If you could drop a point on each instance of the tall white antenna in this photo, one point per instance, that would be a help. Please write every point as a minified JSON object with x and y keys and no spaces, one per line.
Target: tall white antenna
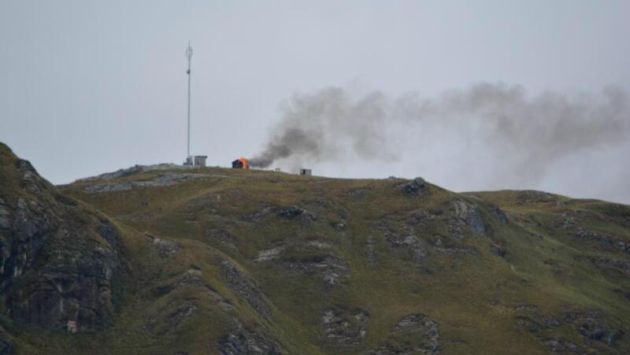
{"x":189,"y":53}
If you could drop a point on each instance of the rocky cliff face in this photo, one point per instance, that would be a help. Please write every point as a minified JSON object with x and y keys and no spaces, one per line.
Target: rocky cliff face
{"x":60,"y":264}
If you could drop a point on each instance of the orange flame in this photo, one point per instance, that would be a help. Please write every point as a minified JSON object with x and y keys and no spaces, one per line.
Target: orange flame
{"x":245,"y":162}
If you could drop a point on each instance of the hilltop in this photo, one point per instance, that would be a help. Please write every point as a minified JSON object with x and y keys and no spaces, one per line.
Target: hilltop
{"x":231,"y":261}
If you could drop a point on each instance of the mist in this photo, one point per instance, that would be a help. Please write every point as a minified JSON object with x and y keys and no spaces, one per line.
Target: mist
{"x":486,"y":136}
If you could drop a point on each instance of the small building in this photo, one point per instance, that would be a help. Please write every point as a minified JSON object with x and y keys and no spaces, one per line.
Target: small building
{"x":307,"y":172}
{"x":189,"y":161}
{"x":240,"y":163}
{"x":200,"y":161}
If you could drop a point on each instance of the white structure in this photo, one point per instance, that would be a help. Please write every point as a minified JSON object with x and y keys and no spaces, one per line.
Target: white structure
{"x":197,"y":160}
{"x":200,"y":161}
{"x":189,"y":53}
{"x":307,"y":172}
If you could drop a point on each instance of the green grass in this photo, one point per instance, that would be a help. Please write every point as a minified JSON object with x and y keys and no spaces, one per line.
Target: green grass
{"x":473,"y":297}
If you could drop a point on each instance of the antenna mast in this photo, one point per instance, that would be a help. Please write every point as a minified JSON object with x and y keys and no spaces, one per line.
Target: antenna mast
{"x":189,"y":53}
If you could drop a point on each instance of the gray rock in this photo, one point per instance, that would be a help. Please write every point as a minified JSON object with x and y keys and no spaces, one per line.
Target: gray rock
{"x":246,"y":342}
{"x":470,"y":215}
{"x":30,"y":178}
{"x":181,"y":313}
{"x":606,"y":242}
{"x":562,"y":346}
{"x":415,"y":187}
{"x":192,"y":278}
{"x":60,"y":264}
{"x":245,"y":288}
{"x":136,"y":169}
{"x":411,"y":244}
{"x":294,"y":212}
{"x":171,"y":317}
{"x":291,"y":212}
{"x":162,"y":180}
{"x":501,"y":216}
{"x":317,"y":244}
{"x":425,"y":327}
{"x":261,"y":214}
{"x":419,"y":218}
{"x":345,"y":327}
{"x":269,"y":254}
{"x":109,"y":232}
{"x":339,"y":226}
{"x":607,"y":263}
{"x":590,"y":325}
{"x":165,"y":248}
{"x":125,"y":186}
{"x":330,"y":268}
{"x":413,"y":334}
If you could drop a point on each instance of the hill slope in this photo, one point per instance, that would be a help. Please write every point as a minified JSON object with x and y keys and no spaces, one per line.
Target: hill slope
{"x":240,"y":262}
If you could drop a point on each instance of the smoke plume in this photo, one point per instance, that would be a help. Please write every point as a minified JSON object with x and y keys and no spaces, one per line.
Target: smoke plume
{"x":493,"y":133}
{"x":317,"y":128}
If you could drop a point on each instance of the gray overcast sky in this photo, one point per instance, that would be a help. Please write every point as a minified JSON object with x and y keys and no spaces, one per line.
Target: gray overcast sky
{"x":93,"y":86}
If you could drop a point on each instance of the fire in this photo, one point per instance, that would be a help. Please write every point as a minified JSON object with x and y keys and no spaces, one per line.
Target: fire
{"x":240,"y":163}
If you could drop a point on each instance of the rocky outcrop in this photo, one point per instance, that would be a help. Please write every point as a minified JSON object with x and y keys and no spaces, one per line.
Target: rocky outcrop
{"x":607,"y":263}
{"x":330,"y":268}
{"x":563,"y":346}
{"x":193,"y":279}
{"x":310,"y":258}
{"x":136,"y":169}
{"x":165,"y":248}
{"x":593,"y":327}
{"x":60,"y":264}
{"x":606,"y":242}
{"x":289,"y":213}
{"x":162,"y":180}
{"x":245,"y":288}
{"x":244,"y":341}
{"x":595,"y":330}
{"x":294,"y":212}
{"x":416,"y":247}
{"x":470,"y":215}
{"x":344,"y":326}
{"x":500,"y":214}
{"x":415,"y":187}
{"x":269,"y":254}
{"x":172,"y":317}
{"x":256,"y":262}
{"x":412,"y":334}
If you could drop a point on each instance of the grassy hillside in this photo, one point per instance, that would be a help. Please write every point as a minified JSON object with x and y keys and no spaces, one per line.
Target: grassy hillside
{"x":235,"y":261}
